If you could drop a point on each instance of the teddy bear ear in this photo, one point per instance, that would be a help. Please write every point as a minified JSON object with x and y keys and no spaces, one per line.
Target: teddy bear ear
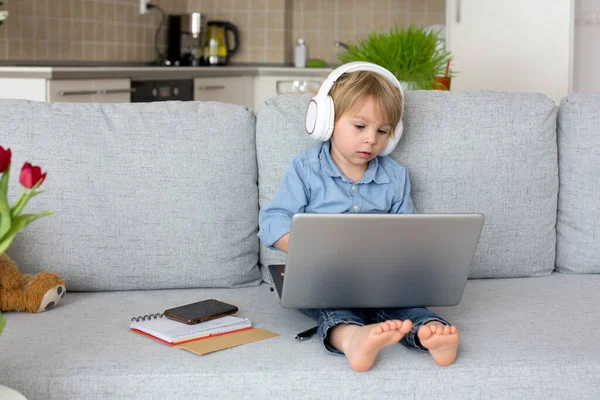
{"x":11,"y":277}
{"x":4,"y":258}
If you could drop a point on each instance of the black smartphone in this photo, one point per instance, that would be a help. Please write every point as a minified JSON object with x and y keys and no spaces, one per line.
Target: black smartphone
{"x":201,"y":311}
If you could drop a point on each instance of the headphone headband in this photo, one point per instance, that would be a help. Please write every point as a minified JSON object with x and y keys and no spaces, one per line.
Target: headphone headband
{"x":354,"y":67}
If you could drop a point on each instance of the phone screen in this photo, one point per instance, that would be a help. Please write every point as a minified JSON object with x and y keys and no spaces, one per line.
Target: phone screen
{"x":200,"y":311}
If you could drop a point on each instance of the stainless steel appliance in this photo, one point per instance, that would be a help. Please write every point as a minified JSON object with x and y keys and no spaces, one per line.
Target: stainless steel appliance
{"x":185,"y":40}
{"x":162,"y":90}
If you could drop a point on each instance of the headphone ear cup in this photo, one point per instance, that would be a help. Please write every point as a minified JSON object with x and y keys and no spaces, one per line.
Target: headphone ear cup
{"x":320,"y":117}
{"x":330,"y":115}
{"x":393,"y":142}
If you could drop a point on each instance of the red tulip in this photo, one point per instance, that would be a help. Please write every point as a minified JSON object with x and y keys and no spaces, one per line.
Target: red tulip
{"x":31,"y":175}
{"x":4,"y":159}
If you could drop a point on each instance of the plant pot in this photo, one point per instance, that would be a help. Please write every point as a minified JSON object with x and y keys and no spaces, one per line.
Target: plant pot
{"x":441,"y":82}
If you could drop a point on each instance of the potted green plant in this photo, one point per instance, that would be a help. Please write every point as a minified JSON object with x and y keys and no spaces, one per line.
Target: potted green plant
{"x":411,"y":54}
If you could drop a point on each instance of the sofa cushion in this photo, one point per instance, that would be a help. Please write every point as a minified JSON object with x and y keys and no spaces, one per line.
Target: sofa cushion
{"x":520,"y":339}
{"x":482,"y":152}
{"x":578,"y":225}
{"x":280,"y":136}
{"x":158,"y":195}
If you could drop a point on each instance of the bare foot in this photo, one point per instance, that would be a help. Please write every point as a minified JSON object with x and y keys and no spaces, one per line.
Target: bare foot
{"x":361,"y":344}
{"x":441,"y":341}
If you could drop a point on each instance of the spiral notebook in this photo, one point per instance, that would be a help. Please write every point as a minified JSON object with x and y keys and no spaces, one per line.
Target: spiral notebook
{"x":172,"y":332}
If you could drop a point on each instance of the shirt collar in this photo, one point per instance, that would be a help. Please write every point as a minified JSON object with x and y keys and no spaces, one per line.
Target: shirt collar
{"x":374,"y":173}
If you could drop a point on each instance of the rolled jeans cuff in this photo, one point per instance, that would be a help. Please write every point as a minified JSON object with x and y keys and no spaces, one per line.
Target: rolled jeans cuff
{"x":323,"y":331}
{"x":411,"y":336}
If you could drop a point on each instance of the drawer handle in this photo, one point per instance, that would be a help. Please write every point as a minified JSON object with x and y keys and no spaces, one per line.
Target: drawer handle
{"x":211,"y":87}
{"x":76,"y":92}
{"x":298,"y":86}
{"x":112,"y":91}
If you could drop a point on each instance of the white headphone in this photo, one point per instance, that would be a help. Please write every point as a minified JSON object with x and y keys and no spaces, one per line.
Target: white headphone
{"x":320,"y":115}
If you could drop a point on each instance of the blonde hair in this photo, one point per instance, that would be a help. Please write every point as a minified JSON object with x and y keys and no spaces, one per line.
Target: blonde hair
{"x":353,"y":88}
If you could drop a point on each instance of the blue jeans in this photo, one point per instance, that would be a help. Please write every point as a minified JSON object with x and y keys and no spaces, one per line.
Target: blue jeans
{"x":327,"y":318}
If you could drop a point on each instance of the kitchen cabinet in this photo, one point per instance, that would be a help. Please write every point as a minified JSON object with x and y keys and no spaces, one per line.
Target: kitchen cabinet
{"x":511,"y":45}
{"x":89,"y":91}
{"x":23,"y":88}
{"x":270,"y":86}
{"x":235,"y":90}
{"x":66,"y":90}
{"x":253,"y":91}
{"x":246,"y":86}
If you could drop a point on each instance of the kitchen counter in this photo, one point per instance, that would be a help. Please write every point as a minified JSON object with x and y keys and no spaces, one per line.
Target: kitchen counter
{"x":149,"y":72}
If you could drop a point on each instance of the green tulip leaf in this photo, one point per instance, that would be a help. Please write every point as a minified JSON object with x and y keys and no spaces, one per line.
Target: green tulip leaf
{"x":18,"y":206}
{"x":18,"y":223}
{"x":5,"y":220}
{"x":22,"y":201}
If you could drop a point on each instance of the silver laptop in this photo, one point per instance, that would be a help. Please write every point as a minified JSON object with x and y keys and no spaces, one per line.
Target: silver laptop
{"x":377,"y":260}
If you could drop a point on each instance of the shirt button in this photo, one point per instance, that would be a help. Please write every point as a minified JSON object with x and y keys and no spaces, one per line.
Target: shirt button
{"x":355,"y":207}
{"x":354,"y":187}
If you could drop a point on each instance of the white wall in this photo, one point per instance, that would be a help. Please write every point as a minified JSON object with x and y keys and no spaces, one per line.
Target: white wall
{"x":586,"y":63}
{"x":512,"y":45}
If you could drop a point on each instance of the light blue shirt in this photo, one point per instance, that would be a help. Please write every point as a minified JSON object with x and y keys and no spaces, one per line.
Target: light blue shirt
{"x":314,"y":184}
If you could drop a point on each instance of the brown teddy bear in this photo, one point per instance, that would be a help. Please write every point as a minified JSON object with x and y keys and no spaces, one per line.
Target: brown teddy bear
{"x":26,"y":292}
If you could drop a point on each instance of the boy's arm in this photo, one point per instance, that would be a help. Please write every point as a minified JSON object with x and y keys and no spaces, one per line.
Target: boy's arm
{"x":282,"y":244}
{"x":276,"y":218}
{"x":404,"y":203}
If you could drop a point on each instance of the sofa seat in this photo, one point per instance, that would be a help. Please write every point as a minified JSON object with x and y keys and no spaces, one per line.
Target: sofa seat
{"x":519,"y":336}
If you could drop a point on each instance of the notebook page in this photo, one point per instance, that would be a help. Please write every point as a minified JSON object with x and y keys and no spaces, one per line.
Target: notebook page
{"x":171,"y":331}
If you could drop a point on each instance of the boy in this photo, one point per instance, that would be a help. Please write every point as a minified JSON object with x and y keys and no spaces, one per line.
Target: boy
{"x":345,"y":174}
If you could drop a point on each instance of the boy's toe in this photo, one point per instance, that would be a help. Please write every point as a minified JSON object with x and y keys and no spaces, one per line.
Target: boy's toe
{"x":425,"y":332}
{"x":405,"y":326}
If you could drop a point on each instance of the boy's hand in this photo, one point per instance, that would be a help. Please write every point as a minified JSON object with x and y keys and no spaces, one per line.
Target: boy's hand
{"x":282,"y":243}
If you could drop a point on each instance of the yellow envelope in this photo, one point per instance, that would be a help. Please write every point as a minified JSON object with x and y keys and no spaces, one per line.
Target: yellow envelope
{"x":210,"y":345}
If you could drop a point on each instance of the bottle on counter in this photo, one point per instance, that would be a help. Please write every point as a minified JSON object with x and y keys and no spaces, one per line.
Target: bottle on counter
{"x":300,"y":54}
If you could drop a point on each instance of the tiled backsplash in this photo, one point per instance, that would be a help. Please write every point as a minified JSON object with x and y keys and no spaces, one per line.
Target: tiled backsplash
{"x":261,"y":24}
{"x":114,"y":30}
{"x":80,"y":30}
{"x":321,"y":23}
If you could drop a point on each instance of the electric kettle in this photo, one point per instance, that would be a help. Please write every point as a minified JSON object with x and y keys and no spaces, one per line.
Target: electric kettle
{"x":217,"y":50}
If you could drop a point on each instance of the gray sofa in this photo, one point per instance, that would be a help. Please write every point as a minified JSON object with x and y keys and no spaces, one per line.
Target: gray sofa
{"x":156,"y":205}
